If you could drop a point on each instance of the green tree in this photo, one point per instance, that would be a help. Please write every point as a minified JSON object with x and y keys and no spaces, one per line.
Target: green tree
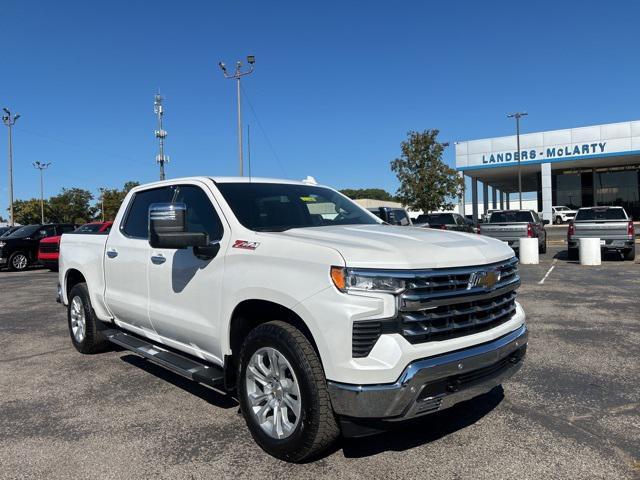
{"x":426,"y":182}
{"x":72,"y":205}
{"x":26,"y":212}
{"x":373,"y":193}
{"x":112,"y":198}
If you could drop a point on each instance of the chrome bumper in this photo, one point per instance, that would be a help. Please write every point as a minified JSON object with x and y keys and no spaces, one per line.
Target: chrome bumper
{"x":436,"y":383}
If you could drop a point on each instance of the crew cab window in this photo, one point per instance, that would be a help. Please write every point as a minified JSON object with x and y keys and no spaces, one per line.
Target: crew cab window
{"x":67,"y":228}
{"x":137,"y":222}
{"x":49,"y":231}
{"x":201,"y":216}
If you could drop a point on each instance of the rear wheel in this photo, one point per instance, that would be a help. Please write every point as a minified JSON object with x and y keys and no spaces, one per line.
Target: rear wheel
{"x":283,"y":393}
{"x":18,"y":261}
{"x":84,"y":327}
{"x":630,"y":254}
{"x":543,"y":248}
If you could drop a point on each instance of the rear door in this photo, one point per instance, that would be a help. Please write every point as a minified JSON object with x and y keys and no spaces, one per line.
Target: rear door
{"x":184,"y":290}
{"x":127,"y":260}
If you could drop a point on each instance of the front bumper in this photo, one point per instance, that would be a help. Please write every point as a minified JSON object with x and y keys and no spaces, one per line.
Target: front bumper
{"x":434,"y":383}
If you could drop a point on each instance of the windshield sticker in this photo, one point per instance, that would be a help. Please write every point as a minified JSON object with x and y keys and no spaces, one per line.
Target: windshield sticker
{"x":308,"y":199}
{"x":245,"y":244}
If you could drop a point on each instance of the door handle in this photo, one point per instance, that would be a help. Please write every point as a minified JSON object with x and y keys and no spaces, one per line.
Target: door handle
{"x":113,"y":253}
{"x":158,"y":259}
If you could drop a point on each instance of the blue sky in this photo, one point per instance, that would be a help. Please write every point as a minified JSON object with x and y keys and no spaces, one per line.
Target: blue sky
{"x":337,"y":84}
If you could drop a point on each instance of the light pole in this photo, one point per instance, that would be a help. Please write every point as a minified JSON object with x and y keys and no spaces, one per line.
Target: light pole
{"x":251,"y":60}
{"x":518,"y":116}
{"x":41,"y":166}
{"x":102,"y":202}
{"x":10,"y":120}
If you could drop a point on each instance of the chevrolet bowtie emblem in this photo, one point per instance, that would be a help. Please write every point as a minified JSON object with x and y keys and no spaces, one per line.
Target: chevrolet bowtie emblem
{"x":486,"y":279}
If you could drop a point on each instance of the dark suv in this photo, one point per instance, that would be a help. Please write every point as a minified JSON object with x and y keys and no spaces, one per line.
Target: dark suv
{"x":20,"y":249}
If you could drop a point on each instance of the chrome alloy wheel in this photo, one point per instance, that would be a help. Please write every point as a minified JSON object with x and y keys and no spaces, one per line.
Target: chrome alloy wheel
{"x":19,"y":262}
{"x":78,"y":322}
{"x":273,"y":393}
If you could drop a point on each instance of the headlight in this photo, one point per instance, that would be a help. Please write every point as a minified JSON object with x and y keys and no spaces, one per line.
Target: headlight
{"x":358,"y":280}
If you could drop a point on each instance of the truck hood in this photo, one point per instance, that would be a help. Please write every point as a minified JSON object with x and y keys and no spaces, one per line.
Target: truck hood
{"x":386,"y":246}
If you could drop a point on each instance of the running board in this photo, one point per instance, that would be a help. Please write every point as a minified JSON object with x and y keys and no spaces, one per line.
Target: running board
{"x":182,"y":365}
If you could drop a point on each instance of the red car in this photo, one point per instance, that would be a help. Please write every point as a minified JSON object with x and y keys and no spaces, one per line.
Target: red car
{"x":49,"y":248}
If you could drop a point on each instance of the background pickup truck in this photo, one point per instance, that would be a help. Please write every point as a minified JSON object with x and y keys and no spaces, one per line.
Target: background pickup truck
{"x":611,"y":225}
{"x":510,"y":226}
{"x":316,"y":315}
{"x":49,"y":247}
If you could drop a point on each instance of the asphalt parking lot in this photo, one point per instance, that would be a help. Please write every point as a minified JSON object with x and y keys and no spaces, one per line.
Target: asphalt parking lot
{"x":573,"y":411}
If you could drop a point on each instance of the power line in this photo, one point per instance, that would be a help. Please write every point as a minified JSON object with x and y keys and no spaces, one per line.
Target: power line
{"x":264,"y":133}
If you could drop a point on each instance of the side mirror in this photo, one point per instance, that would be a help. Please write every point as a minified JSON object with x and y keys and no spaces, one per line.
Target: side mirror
{"x":545,"y":222}
{"x":167,"y":227}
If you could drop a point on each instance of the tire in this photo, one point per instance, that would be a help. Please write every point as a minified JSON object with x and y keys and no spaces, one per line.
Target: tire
{"x":315,"y":428}
{"x":543,"y":248}
{"x":18,"y":262}
{"x":630,"y":254}
{"x":558,"y":221}
{"x":84,"y":327}
{"x":573,"y":254}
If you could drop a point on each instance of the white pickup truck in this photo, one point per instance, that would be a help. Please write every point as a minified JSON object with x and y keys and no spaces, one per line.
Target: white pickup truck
{"x":319,"y":317}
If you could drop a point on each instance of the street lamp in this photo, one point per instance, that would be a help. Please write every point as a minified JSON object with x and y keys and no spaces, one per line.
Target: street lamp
{"x":251,"y":60}
{"x":518,"y":116}
{"x":10,"y":120}
{"x":41,"y":166}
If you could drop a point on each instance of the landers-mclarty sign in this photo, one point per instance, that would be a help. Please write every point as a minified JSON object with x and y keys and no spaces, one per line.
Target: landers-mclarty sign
{"x":546,"y":153}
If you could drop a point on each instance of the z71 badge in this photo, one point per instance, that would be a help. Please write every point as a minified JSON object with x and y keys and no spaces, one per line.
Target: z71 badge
{"x":245,"y":244}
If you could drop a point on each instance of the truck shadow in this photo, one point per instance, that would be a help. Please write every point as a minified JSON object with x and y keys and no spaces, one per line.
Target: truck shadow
{"x":209,"y":395}
{"x":413,"y":433}
{"x":606,"y":257}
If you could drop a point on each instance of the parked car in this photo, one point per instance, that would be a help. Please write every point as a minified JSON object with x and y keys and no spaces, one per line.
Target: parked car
{"x":6,"y":231}
{"x":448,"y":221}
{"x":319,"y":324}
{"x":512,"y":225}
{"x":562,"y":214}
{"x":19,"y":249}
{"x":49,"y":247}
{"x":392,"y":215}
{"x":611,"y":225}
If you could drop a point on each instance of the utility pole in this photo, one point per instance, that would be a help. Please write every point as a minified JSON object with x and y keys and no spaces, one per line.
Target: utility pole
{"x":160,"y":134}
{"x":42,"y":167}
{"x":518,"y":116}
{"x":251,"y":60}
{"x":10,"y":120}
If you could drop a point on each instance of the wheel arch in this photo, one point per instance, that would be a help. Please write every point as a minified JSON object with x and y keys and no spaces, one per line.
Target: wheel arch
{"x":246,"y":316}
{"x":72,"y":278}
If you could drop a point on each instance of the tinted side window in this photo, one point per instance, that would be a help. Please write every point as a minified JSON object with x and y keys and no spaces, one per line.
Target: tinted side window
{"x":201,"y":216}
{"x":49,"y":231}
{"x":137,"y":221}
{"x":67,"y":228}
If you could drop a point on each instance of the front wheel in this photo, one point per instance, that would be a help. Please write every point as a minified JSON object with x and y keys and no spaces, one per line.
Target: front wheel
{"x":18,"y":261}
{"x":558,"y":221}
{"x":283,"y":393}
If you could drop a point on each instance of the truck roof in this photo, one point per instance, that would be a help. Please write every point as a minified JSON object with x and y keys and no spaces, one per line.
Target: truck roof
{"x":232,"y":180}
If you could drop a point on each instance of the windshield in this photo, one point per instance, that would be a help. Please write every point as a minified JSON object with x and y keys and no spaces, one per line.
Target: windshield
{"x":275,"y":207}
{"x":25,"y":231}
{"x":442,"y":219}
{"x":562,"y":209}
{"x":89,"y":228}
{"x":601,"y":214}
{"x":511,"y":217}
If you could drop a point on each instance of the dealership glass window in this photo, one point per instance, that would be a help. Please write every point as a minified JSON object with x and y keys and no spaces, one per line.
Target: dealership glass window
{"x":619,"y":188}
{"x":568,"y":190}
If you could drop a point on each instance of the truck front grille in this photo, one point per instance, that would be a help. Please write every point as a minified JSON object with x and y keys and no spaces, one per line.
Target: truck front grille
{"x":444,"y":304}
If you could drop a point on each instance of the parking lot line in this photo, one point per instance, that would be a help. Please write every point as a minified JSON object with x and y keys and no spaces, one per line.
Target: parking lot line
{"x":553,"y":265}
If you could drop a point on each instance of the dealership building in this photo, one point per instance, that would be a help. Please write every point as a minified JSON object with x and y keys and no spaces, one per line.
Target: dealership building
{"x":576,"y":167}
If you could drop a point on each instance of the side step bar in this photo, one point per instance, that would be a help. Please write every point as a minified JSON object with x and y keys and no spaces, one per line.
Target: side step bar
{"x":187,"y":367}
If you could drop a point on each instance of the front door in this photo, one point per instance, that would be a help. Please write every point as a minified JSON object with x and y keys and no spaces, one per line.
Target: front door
{"x":127,"y":260}
{"x":184,"y":290}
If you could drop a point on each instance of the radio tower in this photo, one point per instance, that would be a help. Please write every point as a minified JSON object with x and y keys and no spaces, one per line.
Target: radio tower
{"x":160,"y":134}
